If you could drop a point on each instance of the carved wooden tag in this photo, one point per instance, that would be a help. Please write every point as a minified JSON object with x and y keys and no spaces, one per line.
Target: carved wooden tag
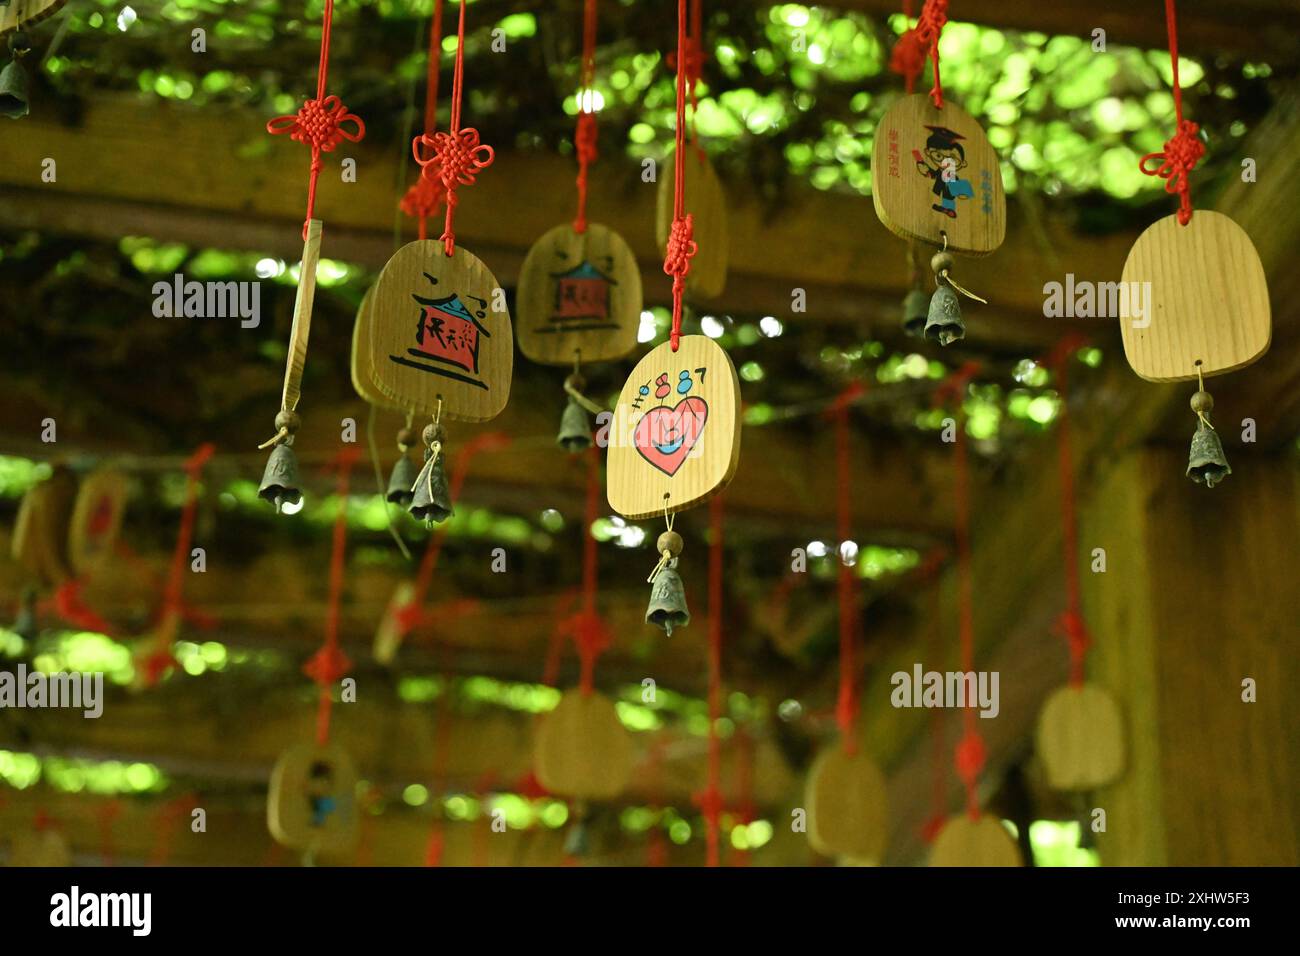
{"x":1080,"y":738}
{"x":967,"y":842}
{"x":582,"y":749}
{"x":362,"y":379}
{"x":40,"y":538}
{"x":707,"y":203}
{"x":96,"y":519}
{"x":26,"y":12}
{"x":848,"y":806}
{"x":439,"y":329}
{"x":674,"y":439}
{"x":579,"y":296}
{"x":933,"y":172}
{"x":312,"y":800}
{"x":1202,"y":295}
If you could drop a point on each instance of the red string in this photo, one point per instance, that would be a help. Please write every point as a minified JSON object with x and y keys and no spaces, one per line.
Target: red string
{"x":319,"y":122}
{"x":69,"y":604}
{"x":709,"y":800}
{"x":590,"y":634}
{"x":681,"y":244}
{"x":427,"y":192}
{"x":1184,"y":151}
{"x":329,"y":664}
{"x":584,"y":139}
{"x":908,"y":55}
{"x":846,"y":705}
{"x":909,"y":52}
{"x":1071,"y":623}
{"x":457,"y":156}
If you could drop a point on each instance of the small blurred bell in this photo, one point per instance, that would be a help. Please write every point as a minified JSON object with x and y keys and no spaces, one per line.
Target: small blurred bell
{"x":577,"y":839}
{"x":1206,"y":464}
{"x":575,"y":428}
{"x":401,"y":482}
{"x":430,"y":499}
{"x":280,"y":479}
{"x":668,"y":600}
{"x":915,"y":309}
{"x":943,"y":322}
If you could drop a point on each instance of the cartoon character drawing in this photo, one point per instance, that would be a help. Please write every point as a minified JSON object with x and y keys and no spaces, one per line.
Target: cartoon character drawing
{"x":581,"y":300}
{"x":944,"y":154}
{"x":320,"y":783}
{"x":447,"y":333}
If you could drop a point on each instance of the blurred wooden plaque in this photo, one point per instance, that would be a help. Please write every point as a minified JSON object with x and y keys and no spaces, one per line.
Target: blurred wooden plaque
{"x":674,"y":439}
{"x":312,"y":801}
{"x":579,"y":296}
{"x":1080,"y":738}
{"x":981,"y":842}
{"x":434,"y":334}
{"x":848,"y":806}
{"x":707,"y":203}
{"x":582,"y":749}
{"x":933,"y":172}
{"x":96,"y":519}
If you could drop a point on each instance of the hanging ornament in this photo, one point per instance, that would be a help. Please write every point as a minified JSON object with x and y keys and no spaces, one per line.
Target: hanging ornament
{"x":311,"y":805}
{"x":1080,"y":736}
{"x":320,"y":123}
{"x":1208,"y":311}
{"x":579,"y":293}
{"x":979,"y":840}
{"x":936,"y":179}
{"x":582,"y":749}
{"x":40,"y":536}
{"x":13,"y":78}
{"x":96,"y":519}
{"x":699,"y":183}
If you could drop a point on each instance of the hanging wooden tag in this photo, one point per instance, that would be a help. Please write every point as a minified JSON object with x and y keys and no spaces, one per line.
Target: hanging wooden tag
{"x":439,"y":329}
{"x":933,"y":172}
{"x":582,"y":749}
{"x":981,"y":842}
{"x":40,"y":538}
{"x":312,"y":800}
{"x":707,"y":203}
{"x":579,"y":296}
{"x":1080,"y":738}
{"x":96,"y":519}
{"x":674,"y":439}
{"x":1202,"y":295}
{"x":848,"y":806}
{"x":388,"y":637}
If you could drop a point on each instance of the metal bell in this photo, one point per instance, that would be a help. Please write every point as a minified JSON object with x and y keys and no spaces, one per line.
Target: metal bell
{"x":430,"y":499}
{"x":943,"y":322}
{"x":668,"y":600}
{"x":915,"y":310}
{"x":13,"y":90}
{"x":1206,"y":464}
{"x":575,"y":428}
{"x":401,"y":482}
{"x":280,"y":479}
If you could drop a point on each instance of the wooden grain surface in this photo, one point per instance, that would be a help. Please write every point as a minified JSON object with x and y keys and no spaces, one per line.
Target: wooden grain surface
{"x":579,"y":296}
{"x":674,"y":441}
{"x":848,"y":805}
{"x":981,"y":842}
{"x":706,"y":201}
{"x":582,"y":749}
{"x":1208,"y":299}
{"x":435,"y":336}
{"x":907,"y":166}
{"x":1080,"y":738}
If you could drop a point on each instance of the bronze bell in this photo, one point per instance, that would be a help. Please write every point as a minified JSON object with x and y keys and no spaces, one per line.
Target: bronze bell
{"x":430,"y":499}
{"x":668,"y":600}
{"x":401,"y":482}
{"x":915,"y":310}
{"x":943,"y":322}
{"x":13,"y":79}
{"x":575,"y":428}
{"x":280,"y":479}
{"x":1207,"y":465}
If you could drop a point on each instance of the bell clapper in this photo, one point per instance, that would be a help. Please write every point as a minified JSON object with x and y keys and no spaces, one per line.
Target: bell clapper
{"x":1206,"y":463}
{"x":280,"y":479}
{"x":667,"y":595}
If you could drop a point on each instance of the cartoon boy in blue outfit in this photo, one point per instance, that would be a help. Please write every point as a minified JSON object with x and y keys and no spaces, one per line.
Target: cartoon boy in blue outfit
{"x":943,"y":151}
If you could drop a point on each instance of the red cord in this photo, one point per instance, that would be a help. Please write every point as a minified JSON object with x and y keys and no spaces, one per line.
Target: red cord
{"x":681,"y":244}
{"x":584,"y":137}
{"x":846,"y":705}
{"x":427,"y":193}
{"x":908,"y":56}
{"x":590,"y":634}
{"x":970,"y":754}
{"x":319,"y":122}
{"x":1185,"y":149}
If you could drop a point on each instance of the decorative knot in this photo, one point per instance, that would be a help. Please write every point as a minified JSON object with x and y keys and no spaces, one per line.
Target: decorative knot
{"x":584,"y":138}
{"x":908,"y":56}
{"x":695,"y":56}
{"x":320,"y":124}
{"x":1180,"y":156}
{"x":590,"y":634}
{"x":424,"y":197}
{"x":970,"y":758}
{"x":681,"y":247}
{"x":710,"y":803}
{"x":934,"y":15}
{"x":456,"y":159}
{"x":327,"y":665}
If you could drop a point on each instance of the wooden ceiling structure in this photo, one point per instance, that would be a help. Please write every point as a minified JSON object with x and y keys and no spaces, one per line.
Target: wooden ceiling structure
{"x":266,"y":583}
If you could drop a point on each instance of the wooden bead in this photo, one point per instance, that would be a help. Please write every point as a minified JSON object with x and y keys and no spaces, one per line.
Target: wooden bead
{"x":405,"y":439}
{"x":671,"y":542}
{"x":1202,"y":403}
{"x":432,"y":433}
{"x":288,"y":420}
{"x":941,"y":262}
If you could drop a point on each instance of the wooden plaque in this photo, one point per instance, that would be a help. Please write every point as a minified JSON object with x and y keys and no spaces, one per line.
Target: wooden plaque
{"x":312,"y":801}
{"x":363,"y":381}
{"x":982,"y":842}
{"x":25,"y":12}
{"x":434,"y":334}
{"x":96,"y":519}
{"x":579,"y":296}
{"x":40,"y":537}
{"x":707,"y":203}
{"x":674,"y":439}
{"x":933,"y":172}
{"x":388,"y":636}
{"x":1080,"y":738}
{"x":582,"y":749}
{"x":848,"y":806}
{"x":1208,"y":300}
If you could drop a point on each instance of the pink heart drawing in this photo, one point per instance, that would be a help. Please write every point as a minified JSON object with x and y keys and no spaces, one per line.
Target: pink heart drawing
{"x":665,"y":436}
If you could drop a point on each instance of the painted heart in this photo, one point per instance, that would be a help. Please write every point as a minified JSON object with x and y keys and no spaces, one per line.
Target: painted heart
{"x":665,"y":436}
